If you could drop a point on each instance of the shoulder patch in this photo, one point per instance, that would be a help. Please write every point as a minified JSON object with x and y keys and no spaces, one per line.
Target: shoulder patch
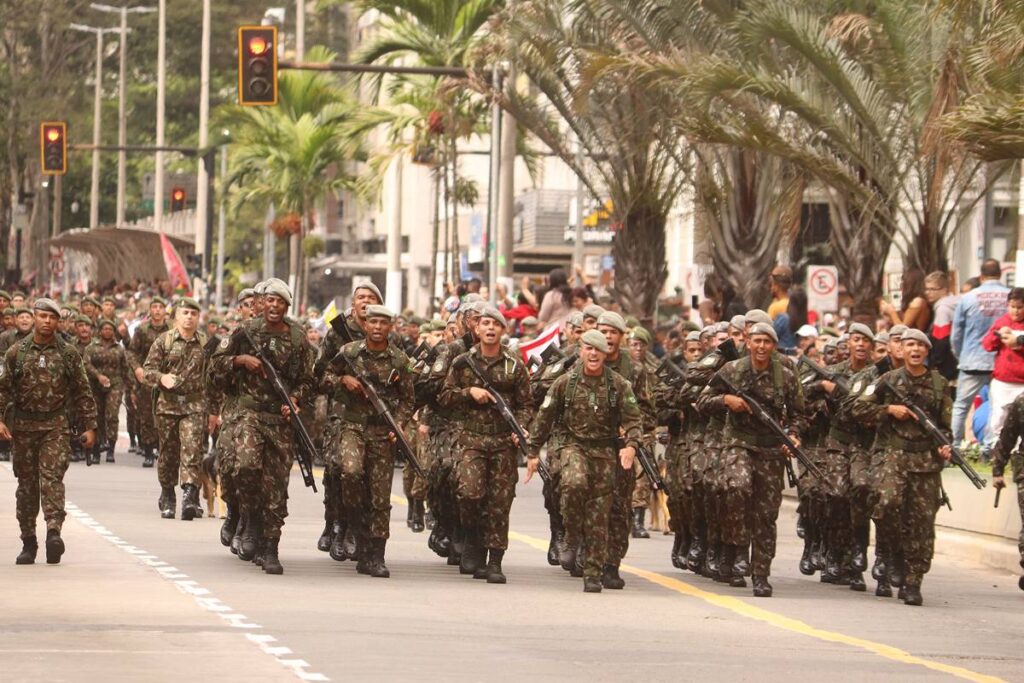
{"x":870,"y":390}
{"x":631,"y":400}
{"x":547,"y":401}
{"x":438,"y":366}
{"x":708,"y":362}
{"x":855,"y":389}
{"x":224,"y":343}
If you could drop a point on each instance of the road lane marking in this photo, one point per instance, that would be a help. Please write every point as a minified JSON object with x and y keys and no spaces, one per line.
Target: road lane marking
{"x":775,"y":619}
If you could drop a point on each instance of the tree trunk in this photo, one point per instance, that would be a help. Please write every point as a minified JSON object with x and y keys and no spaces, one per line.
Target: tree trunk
{"x":456,"y":256}
{"x":860,"y":245}
{"x":433,"y":252}
{"x":639,"y":253}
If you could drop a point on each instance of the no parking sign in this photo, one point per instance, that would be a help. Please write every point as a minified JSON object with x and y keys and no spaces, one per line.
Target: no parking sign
{"x":823,"y":288}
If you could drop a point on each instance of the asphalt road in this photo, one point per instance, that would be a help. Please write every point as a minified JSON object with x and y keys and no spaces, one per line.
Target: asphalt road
{"x":141,"y":598}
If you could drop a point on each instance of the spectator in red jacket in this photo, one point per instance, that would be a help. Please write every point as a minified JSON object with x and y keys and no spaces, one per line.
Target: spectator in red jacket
{"x":1006,"y":339}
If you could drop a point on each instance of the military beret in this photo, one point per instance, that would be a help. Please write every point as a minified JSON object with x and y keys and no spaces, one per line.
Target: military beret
{"x":756,"y":315}
{"x":738,"y":322}
{"x":18,"y":293}
{"x":844,"y":338}
{"x":472,"y":297}
{"x":477,"y":307}
{"x":259,"y":288}
{"x":436,"y":325}
{"x":87,"y":300}
{"x":897,"y":331}
{"x":5,"y":295}
{"x":706,"y":332}
{"x":417,"y":320}
{"x":105,"y":321}
{"x":83,"y":319}
{"x":695,"y":336}
{"x":832,"y":344}
{"x":378,"y":311}
{"x":641,"y":334}
{"x":278,"y":288}
{"x":25,"y":309}
{"x":882,"y":338}
{"x":690,"y":326}
{"x":575,"y":319}
{"x":369,"y":286}
{"x":592,"y":311}
{"x":424,"y":328}
{"x":110,"y":299}
{"x":917,"y":335}
{"x":612,"y":319}
{"x":246,"y":293}
{"x":158,"y":300}
{"x":829,"y":332}
{"x":632,"y":321}
{"x":765,"y":329}
{"x":531,"y":320}
{"x":494,"y":314}
{"x":723,"y":327}
{"x":595,"y":339}
{"x":45,"y":304}
{"x":189,"y":302}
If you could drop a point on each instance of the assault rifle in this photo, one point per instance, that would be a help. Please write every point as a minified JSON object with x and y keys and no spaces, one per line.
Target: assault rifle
{"x":765,"y":418}
{"x":506,"y":413}
{"x":375,"y":400}
{"x":826,"y":374}
{"x":647,"y":464}
{"x":306,"y":453}
{"x":670,"y":373}
{"x":932,"y":429}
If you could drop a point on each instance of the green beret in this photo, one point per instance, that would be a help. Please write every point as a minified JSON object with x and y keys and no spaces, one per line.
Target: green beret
{"x":632,"y":321}
{"x":278,"y":288}
{"x":110,"y":299}
{"x":246,"y":293}
{"x":756,"y":315}
{"x":595,"y":339}
{"x":158,"y":300}
{"x":424,"y":328}
{"x":189,"y":302}
{"x":83,"y":319}
{"x":918,"y":336}
{"x":641,"y":334}
{"x":4,"y":295}
{"x":690,"y":326}
{"x":437,"y":325}
{"x":378,"y":311}
{"x":494,"y":314}
{"x":105,"y":321}
{"x":45,"y":304}
{"x":693,"y":337}
{"x":369,"y":286}
{"x":592,"y":311}
{"x":18,"y":293}
{"x":765,"y":329}
{"x":575,"y":319}
{"x":531,"y":320}
{"x":91,"y":300}
{"x":862,"y":329}
{"x":25,"y":309}
{"x":897,"y":331}
{"x":612,"y":319}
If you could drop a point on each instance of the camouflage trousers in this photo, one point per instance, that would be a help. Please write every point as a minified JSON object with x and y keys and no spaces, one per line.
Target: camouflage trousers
{"x":839,"y":458}
{"x":264,"y":451}
{"x":642,"y":490}
{"x":365,"y":459}
{"x":752,"y":495}
{"x":704,"y":493}
{"x":861,"y":491}
{"x":552,"y":489}
{"x":415,"y":486}
{"x":486,"y":473}
{"x":182,"y":441}
{"x":812,"y":492}
{"x":442,"y":478}
{"x":40,"y":460}
{"x":333,"y":509}
{"x":108,"y":407}
{"x":148,"y":436}
{"x":680,"y":482}
{"x":1020,"y":536}
{"x":905,"y":513}
{"x":587,"y":483}
{"x":131,"y":414}
{"x":620,"y":520}
{"x":227,"y":464}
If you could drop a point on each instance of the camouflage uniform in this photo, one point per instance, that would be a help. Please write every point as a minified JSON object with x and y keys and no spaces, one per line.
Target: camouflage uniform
{"x":590,"y":412}
{"x":446,"y":539}
{"x":181,"y":412}
{"x":1005,"y":452}
{"x":676,"y":412}
{"x":909,"y":480}
{"x":863,"y":461}
{"x":820,"y":548}
{"x":752,"y":462}
{"x":138,"y":349}
{"x":486,"y":467}
{"x":261,"y":437}
{"x":107,"y":358}
{"x":360,"y":453}
{"x":43,"y":392}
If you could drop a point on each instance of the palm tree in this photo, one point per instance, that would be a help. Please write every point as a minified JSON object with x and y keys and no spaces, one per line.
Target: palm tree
{"x":294,"y":154}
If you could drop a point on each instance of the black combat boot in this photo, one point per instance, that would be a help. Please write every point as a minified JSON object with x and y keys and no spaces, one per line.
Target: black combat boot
{"x":110,"y":453}
{"x":481,"y":571}
{"x":147,"y":455}
{"x":859,"y":560}
{"x":833,"y":568}
{"x":857,"y":581}
{"x":591,"y":584}
{"x":410,"y":513}
{"x":167,"y":502}
{"x":912,"y":595}
{"x":76,"y":452}
{"x":762,"y":589}
{"x":638,"y":523}
{"x":740,"y":567}
{"x":434,"y":541}
{"x":695,"y":557}
{"x":494,"y":573}
{"x":95,"y":454}
{"x":801,"y":525}
{"x":818,"y":553}
{"x":806,"y":568}
{"x":417,"y":516}
{"x":54,"y":546}
{"x":378,"y":569}
{"x":726,"y":556}
{"x":236,"y":540}
{"x":555,"y":524}
{"x":880,"y":568}
{"x":1020,"y":583}
{"x":5,"y":452}
{"x":884,"y":588}
{"x":581,"y":561}
{"x":337,"y":542}
{"x":610,"y":578}
{"x":250,"y":539}
{"x":677,"y":559}
{"x":712,"y":560}
{"x":349,"y":544}
{"x":227,"y":528}
{"x":271,"y":562}
{"x":473,"y":554}
{"x":29,"y":548}
{"x":429,"y":520}
{"x":190,"y":503}
{"x":133,"y":447}
{"x":323,"y":544}
{"x":567,"y":558}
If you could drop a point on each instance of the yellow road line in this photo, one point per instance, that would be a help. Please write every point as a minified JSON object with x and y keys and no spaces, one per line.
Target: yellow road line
{"x":780,"y":621}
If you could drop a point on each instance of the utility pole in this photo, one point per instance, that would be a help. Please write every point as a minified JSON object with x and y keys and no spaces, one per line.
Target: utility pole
{"x":161,"y":86}
{"x":97,"y":121}
{"x":300,"y":29}
{"x":506,"y":182}
{"x":393,"y":284}
{"x":219,"y":296}
{"x":494,"y":243}
{"x":577,"y":247}
{"x":203,"y":180}
{"x":122,"y":122}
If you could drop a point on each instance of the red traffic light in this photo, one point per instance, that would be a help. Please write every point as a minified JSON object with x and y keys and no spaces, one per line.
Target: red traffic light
{"x":179,"y":195}
{"x":257,"y":65}
{"x":53,"y":134}
{"x":53,"y":151}
{"x":257,"y":45}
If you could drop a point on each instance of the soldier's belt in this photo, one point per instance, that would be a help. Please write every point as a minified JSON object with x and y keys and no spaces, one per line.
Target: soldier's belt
{"x":270,"y":410}
{"x":491,"y":429}
{"x":180,"y":398}
{"x":608,"y":442}
{"x":844,"y":437}
{"x":38,"y":417}
{"x":756,"y":440}
{"x":917,"y":446}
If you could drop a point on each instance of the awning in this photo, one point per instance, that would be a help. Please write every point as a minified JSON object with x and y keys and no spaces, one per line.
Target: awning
{"x":122,"y":254}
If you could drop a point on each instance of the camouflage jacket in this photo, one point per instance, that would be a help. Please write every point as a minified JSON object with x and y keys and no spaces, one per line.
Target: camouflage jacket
{"x":777,"y":390}
{"x":288,"y":351}
{"x":107,"y":359}
{"x":589,"y":411}
{"x":138,"y":348}
{"x":41,"y":386}
{"x":928,"y":391}
{"x":429,"y":382}
{"x":332,"y":342}
{"x":11,"y":337}
{"x":642,"y":385}
{"x":509,"y":377}
{"x":388,"y":371}
{"x":705,"y":427}
{"x":187,"y":360}
{"x":1005,"y":450}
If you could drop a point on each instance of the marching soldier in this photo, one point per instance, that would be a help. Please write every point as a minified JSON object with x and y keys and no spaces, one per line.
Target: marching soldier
{"x":486,"y":470}
{"x":138,"y":350}
{"x":23,"y":320}
{"x":362,"y":450}
{"x":909,"y":479}
{"x":185,"y":410}
{"x":1005,"y":451}
{"x":44,"y":393}
{"x":752,"y":461}
{"x":105,"y":362}
{"x":262,"y":442}
{"x":593,"y":405}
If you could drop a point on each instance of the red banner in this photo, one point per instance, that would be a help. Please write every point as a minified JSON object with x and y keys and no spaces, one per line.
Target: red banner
{"x":175,"y":268}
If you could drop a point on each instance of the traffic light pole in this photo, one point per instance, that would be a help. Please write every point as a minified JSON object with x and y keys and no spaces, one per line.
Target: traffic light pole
{"x":455,"y":71}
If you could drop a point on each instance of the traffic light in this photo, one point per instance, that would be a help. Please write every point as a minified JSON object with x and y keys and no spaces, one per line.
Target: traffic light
{"x":178,"y":199}
{"x":53,"y":147}
{"x":257,"y":65}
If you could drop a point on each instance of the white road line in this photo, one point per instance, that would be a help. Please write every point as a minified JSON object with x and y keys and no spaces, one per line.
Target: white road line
{"x":267,"y":643}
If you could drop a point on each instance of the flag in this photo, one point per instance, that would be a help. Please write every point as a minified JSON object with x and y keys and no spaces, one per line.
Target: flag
{"x":175,"y":268}
{"x":535,"y":347}
{"x":330,"y":313}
